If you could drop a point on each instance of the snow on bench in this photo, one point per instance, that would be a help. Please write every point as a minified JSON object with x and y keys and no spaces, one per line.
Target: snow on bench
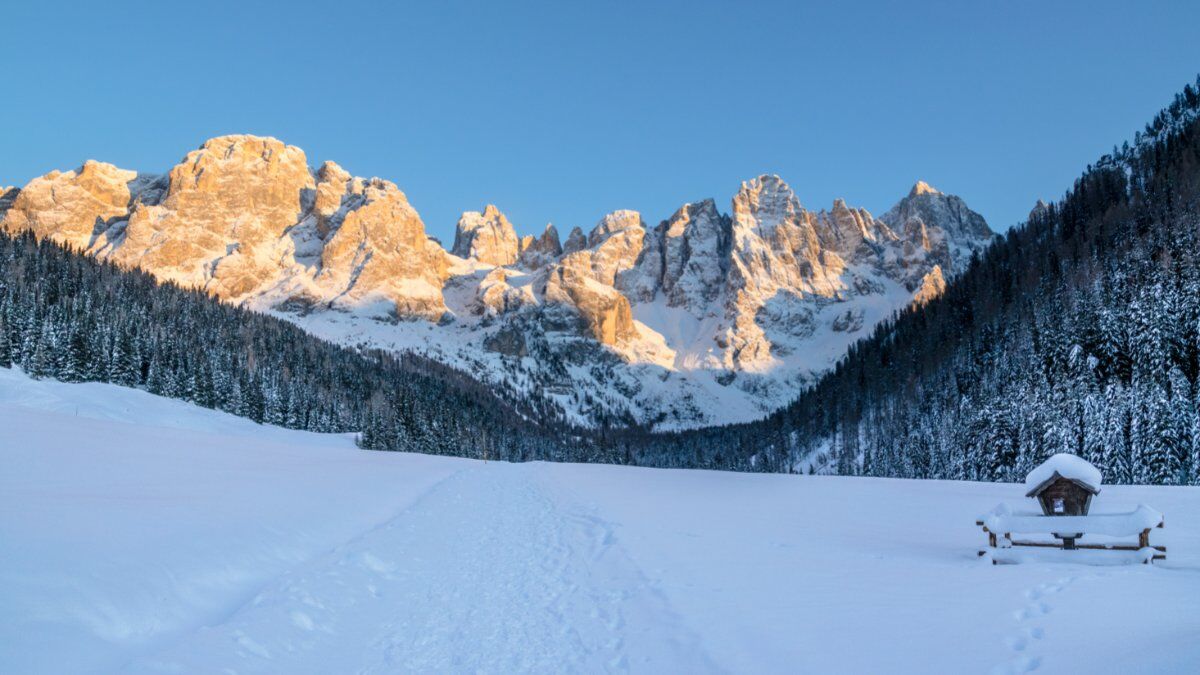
{"x":1003,"y":521}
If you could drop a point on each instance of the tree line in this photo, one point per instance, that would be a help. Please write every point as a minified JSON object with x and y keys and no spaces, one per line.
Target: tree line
{"x":1077,"y":331}
{"x":68,"y":316}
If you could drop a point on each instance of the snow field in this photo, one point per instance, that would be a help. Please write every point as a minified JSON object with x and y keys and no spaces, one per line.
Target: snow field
{"x":140,"y":534}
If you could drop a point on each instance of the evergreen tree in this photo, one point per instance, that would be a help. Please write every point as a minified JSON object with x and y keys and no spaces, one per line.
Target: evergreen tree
{"x":5,"y":345}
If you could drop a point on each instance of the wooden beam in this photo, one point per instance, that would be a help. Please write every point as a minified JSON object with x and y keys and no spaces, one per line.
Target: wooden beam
{"x":1094,"y":547}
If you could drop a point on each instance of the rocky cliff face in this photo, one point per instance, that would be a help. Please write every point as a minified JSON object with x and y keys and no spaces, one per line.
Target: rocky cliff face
{"x":695,"y":256}
{"x":375,"y":248}
{"x":541,"y":251}
{"x":220,"y":221}
{"x":942,"y":224}
{"x":788,"y":264}
{"x":73,"y":207}
{"x":8,"y":195}
{"x":706,"y":317}
{"x":487,"y":237}
{"x":591,"y":280}
{"x":575,"y":240}
{"x":243,"y":217}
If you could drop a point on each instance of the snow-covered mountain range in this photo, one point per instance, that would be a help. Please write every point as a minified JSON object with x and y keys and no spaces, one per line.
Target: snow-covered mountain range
{"x":705,"y":318}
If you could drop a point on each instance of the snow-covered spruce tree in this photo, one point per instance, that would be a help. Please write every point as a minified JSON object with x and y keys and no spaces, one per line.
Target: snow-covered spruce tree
{"x":1153,"y":439}
{"x":5,"y":344}
{"x":1180,"y":414}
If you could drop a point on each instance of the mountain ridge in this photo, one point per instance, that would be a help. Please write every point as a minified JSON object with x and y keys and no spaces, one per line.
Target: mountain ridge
{"x":1077,"y":332}
{"x":704,"y":318}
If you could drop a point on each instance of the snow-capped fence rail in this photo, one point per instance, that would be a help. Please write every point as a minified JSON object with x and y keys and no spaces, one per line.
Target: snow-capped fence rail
{"x":1001,"y":523}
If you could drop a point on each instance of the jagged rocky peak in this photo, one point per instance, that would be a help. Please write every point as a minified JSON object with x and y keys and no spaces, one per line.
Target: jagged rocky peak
{"x":614,"y":223}
{"x":369,"y":246}
{"x":244,"y":216}
{"x":847,"y":228}
{"x":936,"y":209}
{"x":72,"y":207}
{"x":694,"y":245}
{"x":765,"y":202}
{"x":937,"y":228}
{"x":596,"y":280}
{"x":536,"y":252}
{"x":576,"y":241}
{"x":614,"y":245}
{"x":788,"y":263}
{"x":380,"y":251}
{"x":226,"y":205}
{"x":605,"y":313}
{"x":922,"y":188}
{"x":487,"y":237}
{"x":778,"y":244}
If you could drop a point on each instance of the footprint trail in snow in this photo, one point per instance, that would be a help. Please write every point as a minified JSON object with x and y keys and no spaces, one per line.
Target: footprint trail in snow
{"x":1022,"y":643}
{"x":487,"y":572}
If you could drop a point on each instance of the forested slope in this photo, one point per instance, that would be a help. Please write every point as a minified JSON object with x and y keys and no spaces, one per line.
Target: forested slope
{"x":1077,"y":332}
{"x":68,"y":316}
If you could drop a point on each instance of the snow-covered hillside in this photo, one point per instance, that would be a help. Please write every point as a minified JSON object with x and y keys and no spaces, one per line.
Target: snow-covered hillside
{"x":705,"y":318}
{"x":142,"y":534}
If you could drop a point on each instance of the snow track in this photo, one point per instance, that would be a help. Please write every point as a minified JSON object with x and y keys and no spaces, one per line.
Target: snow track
{"x":141,"y":534}
{"x":486,"y":572}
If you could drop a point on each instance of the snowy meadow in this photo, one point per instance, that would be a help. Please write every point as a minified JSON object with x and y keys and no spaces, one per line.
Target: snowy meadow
{"x":142,"y":534}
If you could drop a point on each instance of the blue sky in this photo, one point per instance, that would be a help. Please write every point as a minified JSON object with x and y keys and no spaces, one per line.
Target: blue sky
{"x":563,"y":111}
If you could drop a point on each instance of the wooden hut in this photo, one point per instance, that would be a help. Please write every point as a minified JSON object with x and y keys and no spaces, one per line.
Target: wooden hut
{"x":1064,"y":486}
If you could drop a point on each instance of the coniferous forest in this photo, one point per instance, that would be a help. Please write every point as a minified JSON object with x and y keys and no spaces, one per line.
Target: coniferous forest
{"x":1077,"y":331}
{"x":67,"y":316}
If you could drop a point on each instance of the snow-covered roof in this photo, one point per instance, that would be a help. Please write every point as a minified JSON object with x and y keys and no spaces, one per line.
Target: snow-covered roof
{"x":1071,"y":467}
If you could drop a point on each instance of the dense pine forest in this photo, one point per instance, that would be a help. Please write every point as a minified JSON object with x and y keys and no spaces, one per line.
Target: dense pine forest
{"x":65,"y":315}
{"x":1078,"y":331}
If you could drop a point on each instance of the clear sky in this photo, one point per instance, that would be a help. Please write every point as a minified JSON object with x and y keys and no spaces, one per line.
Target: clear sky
{"x":562,"y":111}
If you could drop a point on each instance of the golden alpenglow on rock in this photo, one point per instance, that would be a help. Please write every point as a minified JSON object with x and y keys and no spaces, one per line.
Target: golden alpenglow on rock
{"x":703,"y":318}
{"x":487,"y":237}
{"x":221,"y":221}
{"x":72,"y":207}
{"x":245,"y":216}
{"x":377,"y":249}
